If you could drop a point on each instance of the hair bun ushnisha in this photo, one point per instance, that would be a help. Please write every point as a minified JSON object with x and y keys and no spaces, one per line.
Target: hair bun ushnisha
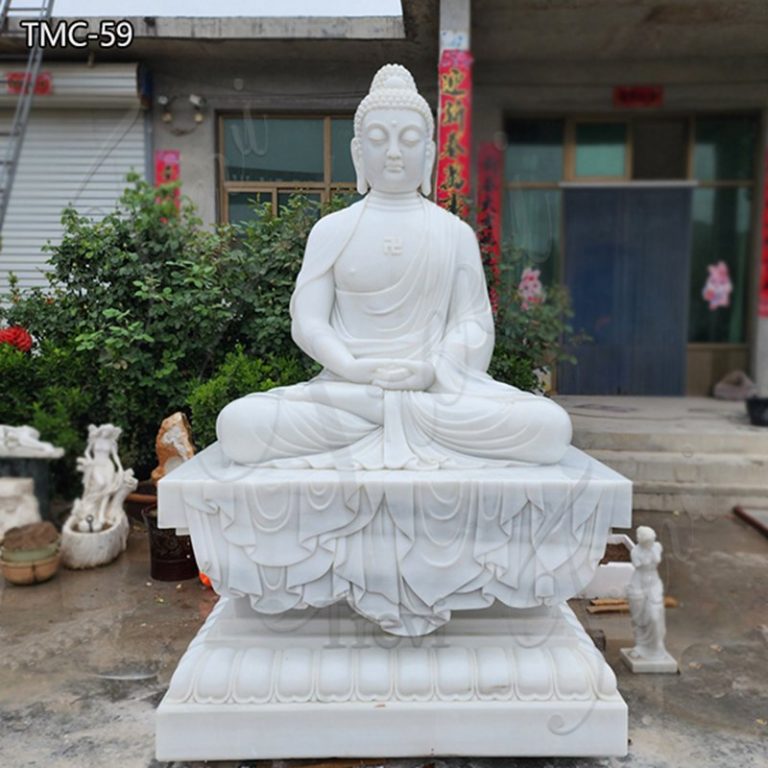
{"x":393,"y":87}
{"x":393,"y":76}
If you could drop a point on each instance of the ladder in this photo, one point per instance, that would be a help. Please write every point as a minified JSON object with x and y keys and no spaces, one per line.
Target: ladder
{"x":39,"y":10}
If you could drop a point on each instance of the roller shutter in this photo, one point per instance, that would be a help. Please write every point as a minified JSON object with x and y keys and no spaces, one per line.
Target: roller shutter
{"x":71,"y":155}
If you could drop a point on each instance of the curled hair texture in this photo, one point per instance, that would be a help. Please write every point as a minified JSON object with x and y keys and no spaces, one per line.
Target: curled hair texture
{"x":393,"y":87}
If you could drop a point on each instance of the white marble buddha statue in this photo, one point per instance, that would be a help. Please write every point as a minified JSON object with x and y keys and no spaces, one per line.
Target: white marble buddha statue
{"x":391,"y":300}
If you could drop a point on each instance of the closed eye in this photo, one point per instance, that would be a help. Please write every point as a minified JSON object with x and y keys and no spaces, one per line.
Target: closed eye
{"x":377,"y":135}
{"x":410,"y":137}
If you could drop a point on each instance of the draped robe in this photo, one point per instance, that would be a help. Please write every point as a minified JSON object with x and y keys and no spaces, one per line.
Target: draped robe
{"x":464,"y":420}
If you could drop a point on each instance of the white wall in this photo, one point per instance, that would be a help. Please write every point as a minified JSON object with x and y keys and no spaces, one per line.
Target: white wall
{"x":205,"y":8}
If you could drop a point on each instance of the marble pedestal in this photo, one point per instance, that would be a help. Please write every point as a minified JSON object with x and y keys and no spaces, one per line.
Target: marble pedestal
{"x":663,"y":665}
{"x":331,"y":684}
{"x":387,"y":614}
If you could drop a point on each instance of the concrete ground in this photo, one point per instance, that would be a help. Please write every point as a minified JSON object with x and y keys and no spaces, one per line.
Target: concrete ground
{"x":86,"y":657}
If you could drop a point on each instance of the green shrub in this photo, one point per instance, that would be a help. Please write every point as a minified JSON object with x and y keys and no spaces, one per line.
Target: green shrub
{"x":49,"y":391}
{"x":144,"y":305}
{"x":140,"y":298}
{"x":239,"y":375}
{"x":268,"y":256}
{"x":530,"y":335}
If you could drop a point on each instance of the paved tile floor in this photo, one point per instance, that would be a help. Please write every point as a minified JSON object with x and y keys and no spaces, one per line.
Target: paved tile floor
{"x":85,"y":658}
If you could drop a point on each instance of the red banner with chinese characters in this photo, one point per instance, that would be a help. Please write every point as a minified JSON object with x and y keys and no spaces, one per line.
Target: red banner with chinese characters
{"x":763,"y":305}
{"x":167,"y":169}
{"x":454,"y":132}
{"x":638,"y":96}
{"x":17,"y":82}
{"x":489,"y":182}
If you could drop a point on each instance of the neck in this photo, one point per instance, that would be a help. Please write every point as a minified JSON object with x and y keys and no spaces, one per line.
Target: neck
{"x":393,"y":199}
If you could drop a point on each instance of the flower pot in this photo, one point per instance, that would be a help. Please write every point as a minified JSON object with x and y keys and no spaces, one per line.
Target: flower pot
{"x":31,"y":555}
{"x":171,"y":556}
{"x":28,"y":573}
{"x":757,"y":408}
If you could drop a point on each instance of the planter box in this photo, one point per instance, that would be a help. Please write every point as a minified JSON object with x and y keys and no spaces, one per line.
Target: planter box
{"x":611,"y":579}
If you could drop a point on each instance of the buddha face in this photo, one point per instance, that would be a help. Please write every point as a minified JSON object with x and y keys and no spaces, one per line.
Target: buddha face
{"x":393,"y":153}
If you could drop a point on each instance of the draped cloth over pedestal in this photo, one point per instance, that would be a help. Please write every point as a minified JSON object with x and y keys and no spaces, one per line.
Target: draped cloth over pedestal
{"x":404,"y":549}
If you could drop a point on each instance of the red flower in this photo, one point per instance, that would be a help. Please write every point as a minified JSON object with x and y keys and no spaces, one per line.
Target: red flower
{"x":17,"y":337}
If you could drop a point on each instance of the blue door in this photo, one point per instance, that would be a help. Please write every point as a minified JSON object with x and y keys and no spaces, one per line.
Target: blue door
{"x":627,"y":255}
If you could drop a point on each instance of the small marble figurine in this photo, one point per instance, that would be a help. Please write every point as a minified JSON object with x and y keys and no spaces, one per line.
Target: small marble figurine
{"x":645,"y":594}
{"x":97,"y":530}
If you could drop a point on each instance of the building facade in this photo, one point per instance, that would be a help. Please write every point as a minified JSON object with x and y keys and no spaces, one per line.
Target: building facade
{"x":630,"y":141}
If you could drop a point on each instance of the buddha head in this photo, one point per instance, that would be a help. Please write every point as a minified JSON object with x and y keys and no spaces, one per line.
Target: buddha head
{"x":393,"y":150}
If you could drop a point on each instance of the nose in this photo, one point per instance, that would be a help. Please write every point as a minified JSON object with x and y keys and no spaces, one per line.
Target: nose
{"x":393,"y":147}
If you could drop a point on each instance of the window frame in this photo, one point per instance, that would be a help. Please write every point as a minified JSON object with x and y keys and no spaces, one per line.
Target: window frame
{"x":326,"y":188}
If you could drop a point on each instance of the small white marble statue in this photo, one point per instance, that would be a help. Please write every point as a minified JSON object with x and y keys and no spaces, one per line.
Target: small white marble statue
{"x":645,"y":594}
{"x":391,"y":300}
{"x":24,"y":442}
{"x":105,"y":482}
{"x":97,"y":530}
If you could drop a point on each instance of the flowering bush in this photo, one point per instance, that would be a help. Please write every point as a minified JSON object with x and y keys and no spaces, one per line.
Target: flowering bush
{"x":533,"y":326}
{"x":530,"y":289}
{"x":17,"y":337}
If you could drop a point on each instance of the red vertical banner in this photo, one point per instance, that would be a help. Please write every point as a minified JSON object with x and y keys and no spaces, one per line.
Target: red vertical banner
{"x":454,"y":132}
{"x":489,"y":183}
{"x":763,"y":305}
{"x":167,"y":169}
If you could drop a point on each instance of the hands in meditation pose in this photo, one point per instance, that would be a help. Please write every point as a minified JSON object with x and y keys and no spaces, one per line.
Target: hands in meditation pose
{"x":391,"y":300}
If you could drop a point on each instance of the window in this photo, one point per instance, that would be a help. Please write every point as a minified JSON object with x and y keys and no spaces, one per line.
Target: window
{"x":724,"y":164}
{"x":660,"y":148}
{"x":718,"y":151}
{"x":531,"y":216}
{"x":600,"y":150}
{"x":266,"y":159}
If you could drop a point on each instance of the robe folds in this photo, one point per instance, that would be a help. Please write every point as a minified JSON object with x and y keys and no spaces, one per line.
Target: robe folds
{"x":437,"y":311}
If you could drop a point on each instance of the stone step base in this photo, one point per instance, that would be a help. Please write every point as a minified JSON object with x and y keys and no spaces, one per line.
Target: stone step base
{"x":327,"y":683}
{"x":696,"y":501}
{"x":746,"y":440}
{"x":711,"y":469}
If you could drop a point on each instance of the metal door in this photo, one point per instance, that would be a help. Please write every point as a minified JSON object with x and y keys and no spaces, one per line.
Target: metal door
{"x":627,"y":251}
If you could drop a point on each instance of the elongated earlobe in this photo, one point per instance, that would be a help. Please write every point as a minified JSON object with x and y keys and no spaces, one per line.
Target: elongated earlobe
{"x":429,"y":164}
{"x":357,"y":161}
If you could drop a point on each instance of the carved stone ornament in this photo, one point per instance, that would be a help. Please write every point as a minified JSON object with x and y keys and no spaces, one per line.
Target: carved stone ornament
{"x":173,"y":445}
{"x":24,"y":443}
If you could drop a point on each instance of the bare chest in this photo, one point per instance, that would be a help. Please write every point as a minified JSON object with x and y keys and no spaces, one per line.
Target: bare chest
{"x":378,"y":257}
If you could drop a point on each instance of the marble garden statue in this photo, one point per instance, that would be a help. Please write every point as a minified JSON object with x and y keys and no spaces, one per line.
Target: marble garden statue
{"x":96,"y":531}
{"x":645,"y":594}
{"x":345,"y":520}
